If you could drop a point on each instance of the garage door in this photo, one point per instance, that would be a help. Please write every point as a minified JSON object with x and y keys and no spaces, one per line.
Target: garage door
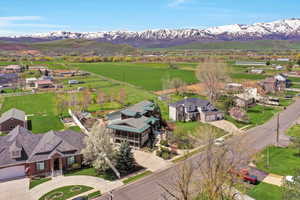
{"x":12,"y":172}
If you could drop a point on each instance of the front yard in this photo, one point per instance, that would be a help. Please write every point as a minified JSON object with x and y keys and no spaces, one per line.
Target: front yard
{"x":282,"y":161}
{"x":66,"y":192}
{"x":258,"y":115}
{"x":35,"y":182}
{"x":264,"y":191}
{"x":90,"y":171}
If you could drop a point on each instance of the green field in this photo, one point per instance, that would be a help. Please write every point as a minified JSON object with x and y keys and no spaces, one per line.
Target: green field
{"x":265,"y":191}
{"x":283,"y":161}
{"x":148,"y":76}
{"x":36,"y":104}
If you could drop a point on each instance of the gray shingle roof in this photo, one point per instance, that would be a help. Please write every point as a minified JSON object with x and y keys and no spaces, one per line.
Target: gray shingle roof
{"x":38,"y":147}
{"x":136,"y":125}
{"x":191,"y":101}
{"x":13,"y":113}
{"x":141,"y":108}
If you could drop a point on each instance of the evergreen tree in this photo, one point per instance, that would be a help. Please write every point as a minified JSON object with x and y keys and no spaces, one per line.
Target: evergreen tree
{"x":124,"y":158}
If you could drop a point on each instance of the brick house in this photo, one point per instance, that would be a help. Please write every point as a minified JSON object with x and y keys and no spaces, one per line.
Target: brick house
{"x":64,"y":73}
{"x":135,"y":124}
{"x":194,"y":109}
{"x":13,"y":69}
{"x":11,"y":119}
{"x":23,"y":153}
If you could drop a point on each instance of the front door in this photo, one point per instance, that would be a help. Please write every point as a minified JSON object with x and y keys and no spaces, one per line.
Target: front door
{"x":56,"y":164}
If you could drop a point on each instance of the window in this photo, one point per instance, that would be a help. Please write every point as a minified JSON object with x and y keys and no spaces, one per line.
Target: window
{"x":40,"y":166}
{"x":16,"y":154}
{"x":71,"y":160}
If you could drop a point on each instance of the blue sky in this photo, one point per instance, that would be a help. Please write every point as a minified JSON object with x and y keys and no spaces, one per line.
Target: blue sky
{"x":36,"y":16}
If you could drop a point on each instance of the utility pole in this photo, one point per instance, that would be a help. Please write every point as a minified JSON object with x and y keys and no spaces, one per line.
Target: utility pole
{"x":277,"y":131}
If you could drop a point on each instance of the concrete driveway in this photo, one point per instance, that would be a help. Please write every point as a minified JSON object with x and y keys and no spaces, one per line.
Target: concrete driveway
{"x":150,"y":161}
{"x":61,"y":181}
{"x":15,"y":190}
{"x":226,"y":126}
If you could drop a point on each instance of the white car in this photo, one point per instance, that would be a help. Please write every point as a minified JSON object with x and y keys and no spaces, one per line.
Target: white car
{"x":220,"y":142}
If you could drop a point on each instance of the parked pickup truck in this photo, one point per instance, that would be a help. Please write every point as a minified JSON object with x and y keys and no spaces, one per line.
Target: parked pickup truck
{"x":245,"y":175}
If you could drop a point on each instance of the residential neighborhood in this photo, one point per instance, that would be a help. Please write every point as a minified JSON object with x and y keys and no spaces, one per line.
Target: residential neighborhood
{"x":149,"y":100}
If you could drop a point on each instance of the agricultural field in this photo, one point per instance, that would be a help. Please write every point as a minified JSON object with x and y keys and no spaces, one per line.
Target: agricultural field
{"x":148,"y":76}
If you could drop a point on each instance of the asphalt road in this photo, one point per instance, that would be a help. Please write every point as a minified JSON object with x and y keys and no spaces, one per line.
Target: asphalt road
{"x":256,"y":139}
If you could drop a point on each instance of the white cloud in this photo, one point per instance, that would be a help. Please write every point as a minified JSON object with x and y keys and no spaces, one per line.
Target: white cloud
{"x":12,"y":24}
{"x":21,"y":18}
{"x":177,"y":3}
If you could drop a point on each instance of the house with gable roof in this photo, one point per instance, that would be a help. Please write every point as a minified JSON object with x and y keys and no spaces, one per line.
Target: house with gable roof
{"x":12,"y":118}
{"x":25,"y":154}
{"x":194,"y":109}
{"x":135,"y":124}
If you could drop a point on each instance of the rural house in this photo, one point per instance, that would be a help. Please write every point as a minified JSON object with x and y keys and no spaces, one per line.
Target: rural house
{"x":194,"y":109}
{"x":274,"y":84}
{"x":44,"y":84}
{"x":11,"y":119}
{"x":23,"y":153}
{"x":247,"y":98}
{"x":64,"y":73}
{"x":135,"y":124}
{"x":13,"y":69}
{"x":30,"y":82}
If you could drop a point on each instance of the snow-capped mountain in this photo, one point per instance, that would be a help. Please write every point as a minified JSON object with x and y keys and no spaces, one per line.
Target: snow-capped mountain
{"x":288,"y":29}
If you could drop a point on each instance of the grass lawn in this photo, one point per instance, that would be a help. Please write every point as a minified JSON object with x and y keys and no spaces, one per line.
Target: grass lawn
{"x":286,"y":102}
{"x":75,"y":128}
{"x":245,"y":76}
{"x":135,"y":178}
{"x":260,"y":114}
{"x":283,"y":161}
{"x":145,"y":75}
{"x":66,"y":192}
{"x":31,"y":104}
{"x":34,"y":183}
{"x":294,"y":131}
{"x":264,"y":191}
{"x":94,"y":195}
{"x":43,"y":124}
{"x":91,"y":172}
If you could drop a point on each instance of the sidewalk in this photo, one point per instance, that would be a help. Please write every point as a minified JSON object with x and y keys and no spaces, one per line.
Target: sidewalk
{"x":274,"y":179}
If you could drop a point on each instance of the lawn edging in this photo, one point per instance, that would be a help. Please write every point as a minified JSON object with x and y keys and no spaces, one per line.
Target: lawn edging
{"x":136,"y":177}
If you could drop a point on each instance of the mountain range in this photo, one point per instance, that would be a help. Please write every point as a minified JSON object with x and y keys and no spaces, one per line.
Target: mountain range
{"x":288,"y":29}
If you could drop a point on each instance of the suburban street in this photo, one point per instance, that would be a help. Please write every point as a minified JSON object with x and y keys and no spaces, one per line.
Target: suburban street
{"x":257,"y":139}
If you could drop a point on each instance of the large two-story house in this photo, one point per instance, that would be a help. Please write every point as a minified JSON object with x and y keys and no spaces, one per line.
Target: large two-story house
{"x":194,"y":109}
{"x":25,"y":154}
{"x":135,"y":124}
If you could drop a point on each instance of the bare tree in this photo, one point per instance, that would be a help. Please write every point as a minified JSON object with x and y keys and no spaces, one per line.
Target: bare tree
{"x":212,"y":73}
{"x":213,"y":176}
{"x":86,"y":99}
{"x":122,"y":96}
{"x":101,"y":97}
{"x":61,"y":103}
